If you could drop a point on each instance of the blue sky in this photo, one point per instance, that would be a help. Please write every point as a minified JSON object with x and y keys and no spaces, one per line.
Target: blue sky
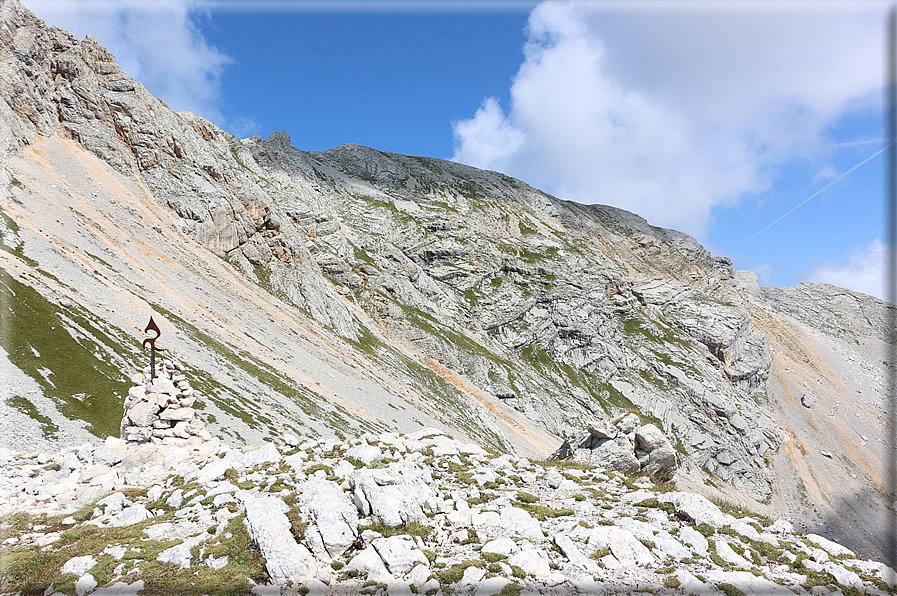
{"x":714,"y":118}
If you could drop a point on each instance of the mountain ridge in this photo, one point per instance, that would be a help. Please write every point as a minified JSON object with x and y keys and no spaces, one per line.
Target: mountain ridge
{"x":424,"y":293}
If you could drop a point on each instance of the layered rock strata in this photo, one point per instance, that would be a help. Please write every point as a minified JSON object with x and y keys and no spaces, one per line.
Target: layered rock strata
{"x":159,"y":408}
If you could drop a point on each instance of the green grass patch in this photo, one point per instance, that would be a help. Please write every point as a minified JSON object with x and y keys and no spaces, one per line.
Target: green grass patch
{"x":730,"y":590}
{"x":453,"y":574}
{"x":542,"y":513}
{"x":78,"y":374}
{"x":413,"y":529}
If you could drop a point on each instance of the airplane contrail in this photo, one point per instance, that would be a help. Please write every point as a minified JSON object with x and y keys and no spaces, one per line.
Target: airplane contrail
{"x":802,"y":203}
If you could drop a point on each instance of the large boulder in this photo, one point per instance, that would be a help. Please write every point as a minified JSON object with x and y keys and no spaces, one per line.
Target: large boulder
{"x":332,"y":517}
{"x":697,"y":509}
{"x":393,"y":496}
{"x":625,"y":447}
{"x":285,"y":559}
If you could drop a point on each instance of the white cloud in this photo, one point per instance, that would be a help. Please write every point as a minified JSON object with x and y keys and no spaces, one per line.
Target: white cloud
{"x":669,"y":115}
{"x":861,"y":271}
{"x":157,"y":43}
{"x":489,"y":138}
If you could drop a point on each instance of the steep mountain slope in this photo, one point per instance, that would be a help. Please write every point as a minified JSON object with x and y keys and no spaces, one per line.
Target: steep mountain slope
{"x":351,"y":290}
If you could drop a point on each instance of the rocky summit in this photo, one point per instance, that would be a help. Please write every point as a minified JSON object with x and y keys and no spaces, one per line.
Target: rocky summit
{"x":352,"y":293}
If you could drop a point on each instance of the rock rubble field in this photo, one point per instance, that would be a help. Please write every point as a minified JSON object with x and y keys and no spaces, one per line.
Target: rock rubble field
{"x":385,"y":514}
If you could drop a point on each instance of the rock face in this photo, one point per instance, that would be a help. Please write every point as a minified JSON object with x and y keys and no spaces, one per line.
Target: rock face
{"x":351,"y":290}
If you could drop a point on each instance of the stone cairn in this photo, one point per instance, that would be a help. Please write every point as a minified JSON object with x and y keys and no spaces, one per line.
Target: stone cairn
{"x":160,"y":409}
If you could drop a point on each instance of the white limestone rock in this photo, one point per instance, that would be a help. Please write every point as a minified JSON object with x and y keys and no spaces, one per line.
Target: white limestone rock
{"x":624,"y":546}
{"x":286,"y":560}
{"x":628,"y":423}
{"x":399,"y":553}
{"x":501,"y":546}
{"x":532,"y":561}
{"x":747,"y":582}
{"x":573,"y":554}
{"x":332,"y":516}
{"x":121,"y":589}
{"x":143,"y":413}
{"x":730,"y":556}
{"x":648,"y":438}
{"x":553,"y":478}
{"x":419,"y":575}
{"x":697,"y":509}
{"x":85,"y":584}
{"x":267,"y":453}
{"x":392,"y":496}
{"x":520,"y":522}
{"x":472,"y":576}
{"x":365,"y":453}
{"x":368,"y":561}
{"x":78,"y":565}
{"x":670,"y":547}
{"x":602,"y":429}
{"x":179,"y":555}
{"x":833,"y":548}
{"x":216,"y":563}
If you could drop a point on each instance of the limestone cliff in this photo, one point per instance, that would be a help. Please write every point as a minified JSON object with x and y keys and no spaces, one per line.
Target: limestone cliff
{"x":351,"y":290}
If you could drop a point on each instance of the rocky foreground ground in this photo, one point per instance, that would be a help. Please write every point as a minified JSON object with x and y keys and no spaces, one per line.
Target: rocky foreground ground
{"x":388,"y":514}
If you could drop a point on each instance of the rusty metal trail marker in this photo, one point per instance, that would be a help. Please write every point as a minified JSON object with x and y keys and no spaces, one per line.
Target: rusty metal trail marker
{"x":152,"y":342}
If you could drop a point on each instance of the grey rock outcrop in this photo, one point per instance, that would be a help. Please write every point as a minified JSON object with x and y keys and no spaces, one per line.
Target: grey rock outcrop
{"x":393,"y":496}
{"x":633,"y":448}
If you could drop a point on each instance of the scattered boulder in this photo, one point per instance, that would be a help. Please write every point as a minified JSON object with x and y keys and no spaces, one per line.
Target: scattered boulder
{"x":627,"y":446}
{"x":332,"y":517}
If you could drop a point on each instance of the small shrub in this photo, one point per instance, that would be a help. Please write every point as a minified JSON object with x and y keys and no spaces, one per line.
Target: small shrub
{"x":526,"y":497}
{"x":671,"y":581}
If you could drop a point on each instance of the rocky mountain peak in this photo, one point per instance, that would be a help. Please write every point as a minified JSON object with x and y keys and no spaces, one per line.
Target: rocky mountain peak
{"x":349,"y":291}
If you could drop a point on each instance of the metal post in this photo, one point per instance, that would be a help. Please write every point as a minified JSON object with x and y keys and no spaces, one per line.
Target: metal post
{"x":151,"y":326}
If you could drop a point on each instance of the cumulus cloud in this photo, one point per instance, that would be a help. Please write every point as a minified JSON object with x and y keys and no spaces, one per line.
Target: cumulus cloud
{"x":862,"y":271}
{"x":158,"y":43}
{"x":669,"y":115}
